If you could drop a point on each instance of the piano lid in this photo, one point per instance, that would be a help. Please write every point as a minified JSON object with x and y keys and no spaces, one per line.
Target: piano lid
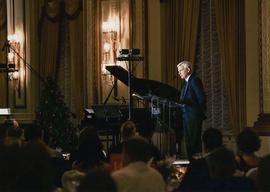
{"x":145,"y":87}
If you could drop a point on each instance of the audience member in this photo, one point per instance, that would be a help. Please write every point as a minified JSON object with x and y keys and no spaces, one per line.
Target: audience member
{"x":71,"y":180}
{"x":146,"y":129}
{"x":197,"y":173}
{"x":9,"y":166}
{"x":263,"y":174}
{"x":25,"y":168}
{"x":33,"y":134}
{"x":252,"y":174}
{"x":248,"y":143}
{"x":90,"y":152}
{"x":14,"y":134}
{"x":222,"y":166}
{"x":97,"y":180}
{"x":212,"y":140}
{"x":136,"y":175}
{"x":127,"y":130}
{"x":36,"y":171}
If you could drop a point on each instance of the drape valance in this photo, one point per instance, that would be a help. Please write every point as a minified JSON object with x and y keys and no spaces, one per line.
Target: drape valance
{"x":54,"y":8}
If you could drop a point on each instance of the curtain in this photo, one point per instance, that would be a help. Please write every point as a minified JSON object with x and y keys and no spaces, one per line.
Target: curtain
{"x":49,"y":38}
{"x":3,"y":58}
{"x":227,"y":27}
{"x":3,"y":15}
{"x":75,"y":26}
{"x":54,"y":13}
{"x":91,"y":54}
{"x":138,"y":14}
{"x":209,"y":69}
{"x":181,"y":21}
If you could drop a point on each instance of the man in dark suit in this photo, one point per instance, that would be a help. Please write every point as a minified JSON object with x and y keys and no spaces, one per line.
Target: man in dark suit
{"x":197,"y":175}
{"x":193,"y":101}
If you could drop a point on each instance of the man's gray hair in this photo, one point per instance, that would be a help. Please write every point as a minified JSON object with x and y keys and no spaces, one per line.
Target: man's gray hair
{"x":185,"y":64}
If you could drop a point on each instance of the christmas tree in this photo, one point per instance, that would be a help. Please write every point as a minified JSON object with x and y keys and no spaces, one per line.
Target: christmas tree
{"x":54,"y":118}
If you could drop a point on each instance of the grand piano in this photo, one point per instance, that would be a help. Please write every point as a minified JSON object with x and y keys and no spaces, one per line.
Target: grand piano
{"x":162,"y":97}
{"x":160,"y":112}
{"x":145,"y":88}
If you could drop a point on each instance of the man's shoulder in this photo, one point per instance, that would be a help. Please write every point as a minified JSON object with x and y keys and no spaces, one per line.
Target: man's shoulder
{"x":133,"y":168}
{"x":194,"y":78}
{"x":195,"y":82}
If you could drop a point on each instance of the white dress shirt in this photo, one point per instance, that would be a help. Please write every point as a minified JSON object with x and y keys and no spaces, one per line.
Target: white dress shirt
{"x":138,"y":177}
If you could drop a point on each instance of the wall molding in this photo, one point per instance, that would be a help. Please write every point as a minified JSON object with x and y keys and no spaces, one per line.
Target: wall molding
{"x":262,"y":125}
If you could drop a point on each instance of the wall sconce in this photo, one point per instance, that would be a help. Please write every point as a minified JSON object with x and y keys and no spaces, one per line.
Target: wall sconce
{"x":13,"y":57}
{"x":14,"y":75}
{"x":10,"y":66}
{"x":110,"y":30}
{"x":14,"y":42}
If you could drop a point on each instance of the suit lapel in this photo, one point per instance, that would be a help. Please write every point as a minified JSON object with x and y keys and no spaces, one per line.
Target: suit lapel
{"x":185,"y":89}
{"x":187,"y":84}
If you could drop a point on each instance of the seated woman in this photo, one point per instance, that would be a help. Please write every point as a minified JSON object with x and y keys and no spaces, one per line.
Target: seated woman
{"x":12,"y":133}
{"x":90,"y":152}
{"x":90,"y":155}
{"x":248,"y":143}
{"x":128,"y":130}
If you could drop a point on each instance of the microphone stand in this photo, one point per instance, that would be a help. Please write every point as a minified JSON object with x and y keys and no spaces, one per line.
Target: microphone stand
{"x":27,"y":64}
{"x":130,"y":58}
{"x":129,"y":89}
{"x":8,"y":47}
{"x":108,"y":96}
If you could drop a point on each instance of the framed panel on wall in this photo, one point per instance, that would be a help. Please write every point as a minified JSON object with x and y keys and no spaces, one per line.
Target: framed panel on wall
{"x":17,"y":54}
{"x":262,"y":125}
